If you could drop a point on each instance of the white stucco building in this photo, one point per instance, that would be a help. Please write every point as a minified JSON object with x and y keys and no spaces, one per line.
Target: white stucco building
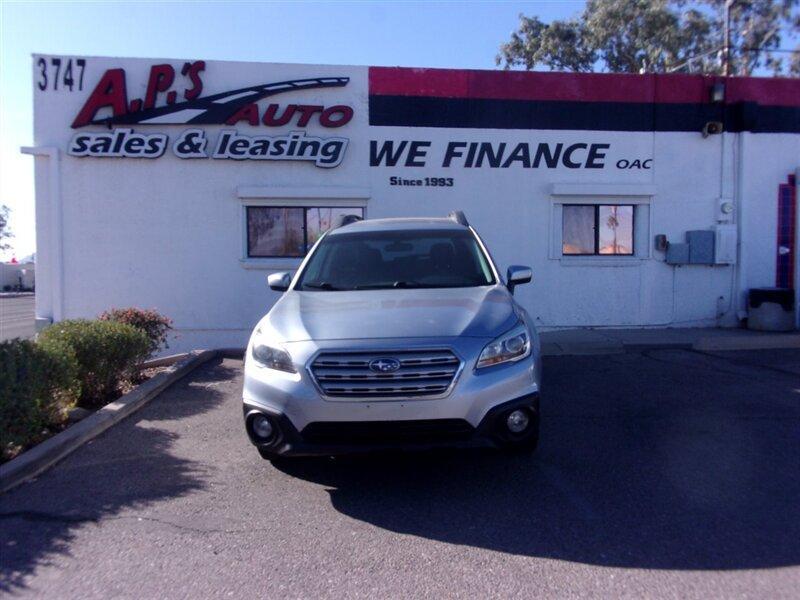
{"x":180,"y":184}
{"x":16,"y":276}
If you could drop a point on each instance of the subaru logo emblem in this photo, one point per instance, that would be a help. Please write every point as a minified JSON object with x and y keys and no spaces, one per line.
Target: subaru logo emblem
{"x":384,"y":365}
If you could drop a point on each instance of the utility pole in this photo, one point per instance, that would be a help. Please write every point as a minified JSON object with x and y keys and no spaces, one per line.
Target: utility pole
{"x":726,"y":48}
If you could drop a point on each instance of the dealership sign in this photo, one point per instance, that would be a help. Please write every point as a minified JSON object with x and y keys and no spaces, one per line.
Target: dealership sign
{"x":175,"y":97}
{"x":226,"y":108}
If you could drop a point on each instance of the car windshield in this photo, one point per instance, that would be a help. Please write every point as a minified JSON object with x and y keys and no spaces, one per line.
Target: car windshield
{"x":396,"y":259}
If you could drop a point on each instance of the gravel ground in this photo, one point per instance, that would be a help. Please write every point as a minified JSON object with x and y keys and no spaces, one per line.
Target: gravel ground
{"x":664,"y":474}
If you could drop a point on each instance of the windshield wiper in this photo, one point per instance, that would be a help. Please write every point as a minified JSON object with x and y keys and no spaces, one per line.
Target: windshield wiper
{"x":322,"y":285}
{"x":406,"y":284}
{"x":388,"y":286}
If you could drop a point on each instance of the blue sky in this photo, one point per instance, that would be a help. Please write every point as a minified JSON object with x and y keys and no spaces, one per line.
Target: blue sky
{"x":430,"y":34}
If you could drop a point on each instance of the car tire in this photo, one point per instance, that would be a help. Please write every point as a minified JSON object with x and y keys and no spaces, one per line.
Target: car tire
{"x":266,"y":454}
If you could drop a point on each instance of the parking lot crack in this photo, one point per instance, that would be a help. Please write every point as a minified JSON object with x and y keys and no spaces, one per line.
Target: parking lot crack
{"x":44,"y":517}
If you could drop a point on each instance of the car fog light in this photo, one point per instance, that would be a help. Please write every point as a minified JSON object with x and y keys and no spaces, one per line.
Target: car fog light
{"x":262,"y":428}
{"x":517,"y":421}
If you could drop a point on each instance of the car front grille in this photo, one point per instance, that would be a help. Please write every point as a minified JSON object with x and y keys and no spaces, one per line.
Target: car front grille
{"x":421,"y":373}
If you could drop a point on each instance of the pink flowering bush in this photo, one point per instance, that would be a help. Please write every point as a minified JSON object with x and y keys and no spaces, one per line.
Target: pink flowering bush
{"x":155,"y":325}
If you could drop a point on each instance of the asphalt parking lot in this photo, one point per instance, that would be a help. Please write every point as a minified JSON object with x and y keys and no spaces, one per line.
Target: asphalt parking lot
{"x":667,"y":473}
{"x":16,"y":317}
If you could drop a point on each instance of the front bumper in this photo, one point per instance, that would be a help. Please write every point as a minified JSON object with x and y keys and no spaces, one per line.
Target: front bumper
{"x":323,"y":438}
{"x":473,"y":394}
{"x":310,"y":422}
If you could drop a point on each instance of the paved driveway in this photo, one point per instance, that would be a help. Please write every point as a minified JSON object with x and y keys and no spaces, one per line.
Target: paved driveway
{"x":16,"y":317}
{"x":670,"y":473}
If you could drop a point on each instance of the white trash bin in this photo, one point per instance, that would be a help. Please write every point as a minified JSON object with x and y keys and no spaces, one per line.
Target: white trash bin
{"x":771,"y":309}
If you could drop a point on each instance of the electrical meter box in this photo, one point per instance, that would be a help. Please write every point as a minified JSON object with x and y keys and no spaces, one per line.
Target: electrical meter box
{"x":677,"y":254}
{"x":701,"y":246}
{"x":725,"y":238}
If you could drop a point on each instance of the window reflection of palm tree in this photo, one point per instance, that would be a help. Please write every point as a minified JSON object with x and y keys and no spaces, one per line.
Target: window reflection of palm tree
{"x":613,"y":223}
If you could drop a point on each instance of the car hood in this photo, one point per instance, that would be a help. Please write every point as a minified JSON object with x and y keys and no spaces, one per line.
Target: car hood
{"x":446,"y":312}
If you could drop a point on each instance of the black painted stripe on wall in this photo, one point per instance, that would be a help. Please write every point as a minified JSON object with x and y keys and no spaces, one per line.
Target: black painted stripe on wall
{"x":481,"y":113}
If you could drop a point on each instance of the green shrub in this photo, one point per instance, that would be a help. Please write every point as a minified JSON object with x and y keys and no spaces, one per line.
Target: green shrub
{"x":37,"y":386}
{"x":154,"y":324}
{"x":107,"y":353}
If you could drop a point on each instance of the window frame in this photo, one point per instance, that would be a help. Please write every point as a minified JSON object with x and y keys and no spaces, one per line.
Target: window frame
{"x":302,"y":207}
{"x":597,"y":206}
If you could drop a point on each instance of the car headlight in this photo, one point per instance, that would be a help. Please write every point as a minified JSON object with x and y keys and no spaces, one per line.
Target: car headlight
{"x":509,"y":347}
{"x":272,"y":357}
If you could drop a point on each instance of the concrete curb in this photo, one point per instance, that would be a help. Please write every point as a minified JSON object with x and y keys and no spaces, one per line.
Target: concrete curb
{"x":704,"y":343}
{"x":164,"y":360}
{"x":43,"y":456}
{"x":582,"y":349}
{"x":772,"y":342}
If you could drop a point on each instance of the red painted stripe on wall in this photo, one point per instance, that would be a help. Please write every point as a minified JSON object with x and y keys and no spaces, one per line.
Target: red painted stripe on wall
{"x":775,"y":91}
{"x":578,"y":87}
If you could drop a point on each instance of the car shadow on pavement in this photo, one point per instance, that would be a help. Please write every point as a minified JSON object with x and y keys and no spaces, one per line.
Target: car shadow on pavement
{"x":128,"y":467}
{"x":703,"y":476}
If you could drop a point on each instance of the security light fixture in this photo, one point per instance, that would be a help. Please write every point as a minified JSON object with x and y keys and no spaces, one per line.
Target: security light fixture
{"x":718,"y":92}
{"x":712,"y":128}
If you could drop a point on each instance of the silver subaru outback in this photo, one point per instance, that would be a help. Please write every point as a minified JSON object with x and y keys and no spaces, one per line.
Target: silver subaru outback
{"x":393,"y":333}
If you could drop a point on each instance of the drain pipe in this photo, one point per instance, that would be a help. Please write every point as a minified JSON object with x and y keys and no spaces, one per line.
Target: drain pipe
{"x":739,"y":200}
{"x":52,"y":217}
{"x":797,"y":246}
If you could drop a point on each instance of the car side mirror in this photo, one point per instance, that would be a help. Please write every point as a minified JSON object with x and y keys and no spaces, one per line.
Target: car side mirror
{"x":517,"y":275}
{"x":279,"y":282}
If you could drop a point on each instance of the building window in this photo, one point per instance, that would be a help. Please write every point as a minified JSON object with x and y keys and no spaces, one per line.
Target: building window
{"x":288,"y":231}
{"x":597,"y":229}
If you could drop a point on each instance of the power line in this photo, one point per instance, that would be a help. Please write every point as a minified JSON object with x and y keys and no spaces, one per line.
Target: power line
{"x":673,"y":68}
{"x":795,"y":51}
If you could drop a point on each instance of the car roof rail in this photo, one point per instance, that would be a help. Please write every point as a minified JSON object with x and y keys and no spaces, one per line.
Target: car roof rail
{"x":459,"y":217}
{"x":342,"y":220}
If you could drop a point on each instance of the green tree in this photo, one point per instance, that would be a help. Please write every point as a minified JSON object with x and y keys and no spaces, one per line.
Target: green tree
{"x":4,"y":231}
{"x":633,"y":36}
